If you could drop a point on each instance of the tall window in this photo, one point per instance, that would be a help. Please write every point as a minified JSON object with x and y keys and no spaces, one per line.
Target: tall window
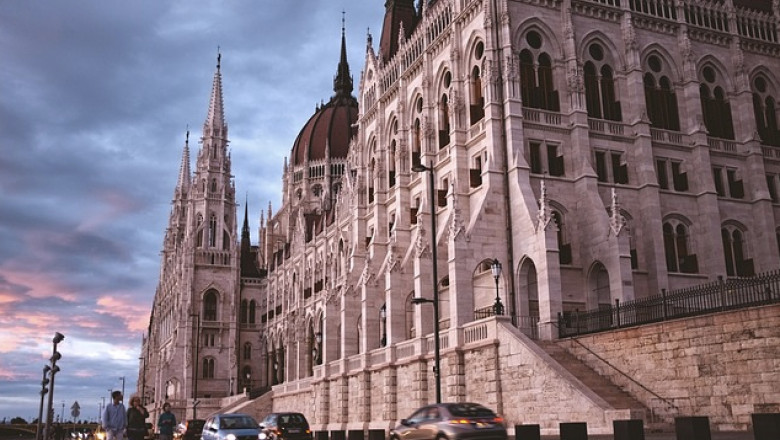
{"x":545,"y":158}
{"x":444,"y":119}
{"x":477,"y":106}
{"x":243,"y":312}
{"x":564,"y":247}
{"x":765,"y":111}
{"x":208,"y":368}
{"x":210,"y":306}
{"x":660,"y":98}
{"x":247,"y":351}
{"x":536,"y":75}
{"x":212,"y":230}
{"x":252,"y":310}
{"x":676,"y":248}
{"x":714,"y":105}
{"x":600,"y":96}
{"x":671,"y":175}
{"x":734,"y":252}
{"x":611,"y":166}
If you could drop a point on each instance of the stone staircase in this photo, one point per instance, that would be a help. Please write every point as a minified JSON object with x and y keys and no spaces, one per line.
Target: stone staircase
{"x":611,"y":393}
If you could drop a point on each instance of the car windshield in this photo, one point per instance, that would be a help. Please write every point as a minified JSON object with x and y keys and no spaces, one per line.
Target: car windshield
{"x":470,"y":410}
{"x":291,"y":419}
{"x":237,"y":423}
{"x":195,"y":425}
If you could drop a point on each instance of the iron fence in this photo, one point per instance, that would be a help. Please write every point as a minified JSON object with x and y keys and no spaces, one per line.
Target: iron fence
{"x":528,"y":325}
{"x":717,"y":296}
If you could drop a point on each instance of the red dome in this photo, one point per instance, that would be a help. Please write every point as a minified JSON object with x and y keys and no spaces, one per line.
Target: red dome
{"x":330,"y":125}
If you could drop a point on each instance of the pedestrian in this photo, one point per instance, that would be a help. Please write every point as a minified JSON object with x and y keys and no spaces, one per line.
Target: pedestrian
{"x":115,"y":418}
{"x":166,"y":422}
{"x":136,"y":419}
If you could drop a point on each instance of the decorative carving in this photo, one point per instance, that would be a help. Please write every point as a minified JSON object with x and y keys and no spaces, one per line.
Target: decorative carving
{"x":617,"y":221}
{"x":544,"y":216}
{"x":456,"y":229}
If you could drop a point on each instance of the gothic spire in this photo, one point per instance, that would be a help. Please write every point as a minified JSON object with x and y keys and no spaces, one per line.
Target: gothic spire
{"x":245,"y":228}
{"x":342,"y":83}
{"x":183,"y":185}
{"x":215,"y":120}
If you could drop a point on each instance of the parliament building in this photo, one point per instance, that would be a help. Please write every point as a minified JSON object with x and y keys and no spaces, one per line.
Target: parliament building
{"x":522,"y":162}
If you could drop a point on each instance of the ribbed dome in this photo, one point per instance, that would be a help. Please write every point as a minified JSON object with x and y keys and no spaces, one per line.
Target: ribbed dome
{"x":331,"y":125}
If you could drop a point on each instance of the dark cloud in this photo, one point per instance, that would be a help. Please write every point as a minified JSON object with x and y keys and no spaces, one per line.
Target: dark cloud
{"x":95,"y":98}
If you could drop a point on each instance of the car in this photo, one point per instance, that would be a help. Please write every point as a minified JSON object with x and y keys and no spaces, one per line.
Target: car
{"x":189,"y":429}
{"x":230,"y":427}
{"x":285,"y":426}
{"x":451,"y":421}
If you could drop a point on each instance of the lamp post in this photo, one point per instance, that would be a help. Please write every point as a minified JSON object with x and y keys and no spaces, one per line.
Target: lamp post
{"x":419,"y":168}
{"x":230,"y":385}
{"x":44,"y":390}
{"x":54,"y":368}
{"x":196,"y":363}
{"x":495,"y":267}
{"x":248,"y":381}
{"x":383,"y":325}
{"x":123,"y":385}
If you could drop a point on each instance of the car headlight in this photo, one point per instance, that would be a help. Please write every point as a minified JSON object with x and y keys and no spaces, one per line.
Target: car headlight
{"x":230,"y":437}
{"x":262,"y":436}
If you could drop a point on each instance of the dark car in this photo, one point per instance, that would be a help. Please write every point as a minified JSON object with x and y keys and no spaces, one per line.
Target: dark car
{"x":285,"y":426}
{"x":452,"y":421}
{"x":189,"y":429}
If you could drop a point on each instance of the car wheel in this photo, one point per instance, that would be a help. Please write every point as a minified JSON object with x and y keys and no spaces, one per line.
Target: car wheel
{"x":441,"y":437}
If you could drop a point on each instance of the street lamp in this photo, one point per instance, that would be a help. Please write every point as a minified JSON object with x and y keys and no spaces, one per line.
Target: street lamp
{"x":54,"y":368}
{"x":495,"y":267}
{"x":383,"y":325}
{"x":420,"y":168}
{"x":44,"y":390}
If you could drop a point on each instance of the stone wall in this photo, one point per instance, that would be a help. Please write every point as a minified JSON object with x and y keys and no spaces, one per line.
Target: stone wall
{"x":724,"y":366}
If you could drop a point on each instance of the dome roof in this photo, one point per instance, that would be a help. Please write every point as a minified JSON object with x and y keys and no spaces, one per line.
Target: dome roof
{"x":331,"y":126}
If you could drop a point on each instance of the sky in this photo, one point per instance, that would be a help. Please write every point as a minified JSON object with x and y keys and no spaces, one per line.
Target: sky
{"x":95,"y":100}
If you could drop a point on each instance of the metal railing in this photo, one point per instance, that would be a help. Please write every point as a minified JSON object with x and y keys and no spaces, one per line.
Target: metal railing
{"x":528,"y":325}
{"x":717,"y":296}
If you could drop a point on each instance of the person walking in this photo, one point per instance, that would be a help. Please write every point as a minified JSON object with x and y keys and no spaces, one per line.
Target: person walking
{"x":115,"y":418}
{"x":136,"y":419}
{"x":166,"y":422}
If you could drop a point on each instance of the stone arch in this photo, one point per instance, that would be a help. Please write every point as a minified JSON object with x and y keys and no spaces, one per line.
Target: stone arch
{"x":598,"y":36}
{"x":484,"y":290}
{"x":527,"y":288}
{"x":598,"y":294}
{"x":537,"y":24}
{"x":666,"y":58}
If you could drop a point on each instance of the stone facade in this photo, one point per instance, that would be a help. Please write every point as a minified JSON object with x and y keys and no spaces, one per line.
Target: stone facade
{"x":724,"y":366}
{"x":598,"y":150}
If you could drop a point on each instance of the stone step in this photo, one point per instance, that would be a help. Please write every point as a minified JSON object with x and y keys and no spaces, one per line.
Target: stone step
{"x":597,"y":383}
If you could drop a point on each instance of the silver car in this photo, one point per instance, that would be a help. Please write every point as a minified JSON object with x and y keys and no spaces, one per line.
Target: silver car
{"x":230,"y":427}
{"x":451,"y":421}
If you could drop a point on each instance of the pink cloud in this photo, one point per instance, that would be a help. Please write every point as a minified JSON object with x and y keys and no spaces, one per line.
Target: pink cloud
{"x":37,"y":285}
{"x":135,"y":316}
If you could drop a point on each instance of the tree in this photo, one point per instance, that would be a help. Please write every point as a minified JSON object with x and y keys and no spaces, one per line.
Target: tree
{"x":18,"y":421}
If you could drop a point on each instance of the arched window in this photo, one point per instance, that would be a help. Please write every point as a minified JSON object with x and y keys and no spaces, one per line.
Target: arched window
{"x":247,"y":351}
{"x":225,"y":241}
{"x":210,"y":306}
{"x":199,"y":240}
{"x":477,"y":107}
{"x":715,"y":108}
{"x":660,"y":98}
{"x":213,"y":186}
{"x":564,"y":248}
{"x":600,"y":96}
{"x":416,"y":142}
{"x":676,"y":248}
{"x":734,"y":250}
{"x":537,"y":87}
{"x":391,"y":165}
{"x":252,"y":310}
{"x":765,"y":111}
{"x":444,"y":121}
{"x":208,"y":368}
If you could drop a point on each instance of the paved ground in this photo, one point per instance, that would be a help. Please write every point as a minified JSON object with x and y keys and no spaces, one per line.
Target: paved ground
{"x":669,"y":436}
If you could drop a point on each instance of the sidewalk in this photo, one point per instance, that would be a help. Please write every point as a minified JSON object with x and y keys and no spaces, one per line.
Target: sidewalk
{"x":737,"y":435}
